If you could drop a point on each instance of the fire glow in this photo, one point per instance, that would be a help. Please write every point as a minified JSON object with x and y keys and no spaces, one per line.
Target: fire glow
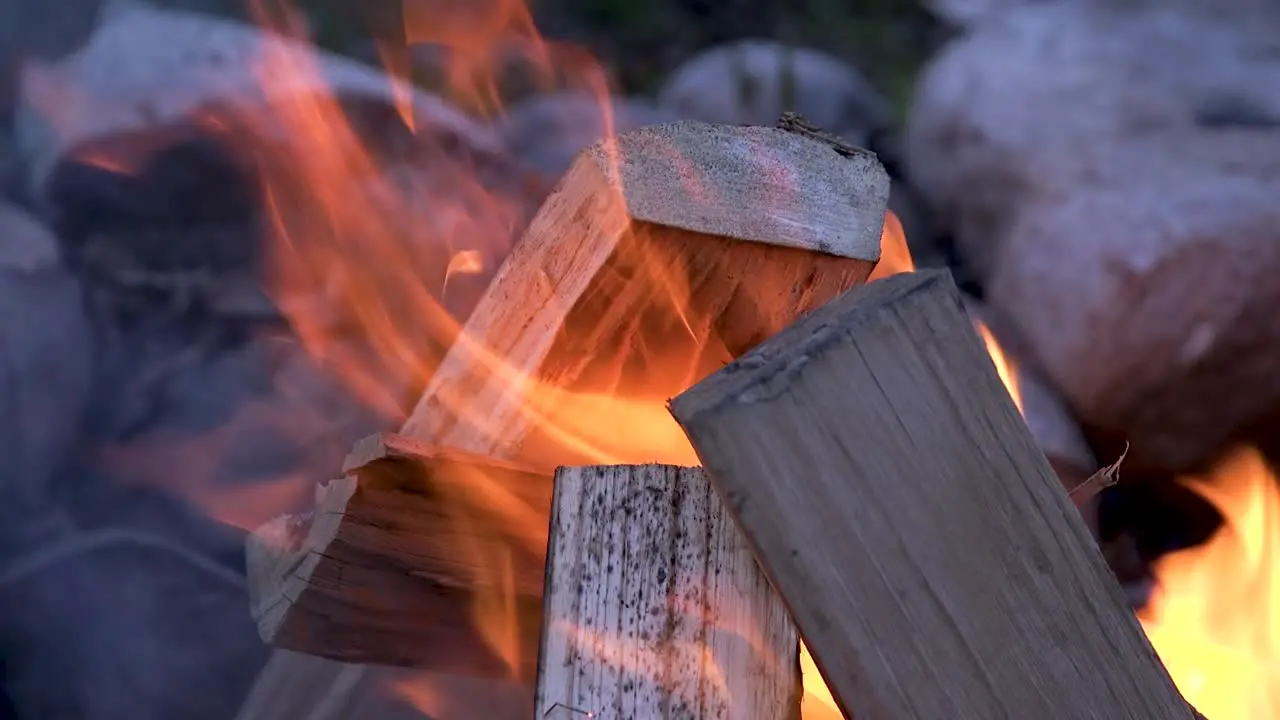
{"x":1213,"y":617}
{"x":343,"y":232}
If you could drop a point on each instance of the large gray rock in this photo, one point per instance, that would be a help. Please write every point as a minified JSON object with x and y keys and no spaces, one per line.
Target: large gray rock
{"x":965,"y":14}
{"x":547,"y":131}
{"x":46,"y":361}
{"x":253,"y":425}
{"x":1149,"y":296}
{"x":145,"y":69}
{"x":1111,"y":170}
{"x":137,"y":607}
{"x":125,"y":624}
{"x":1034,"y":100}
{"x":751,"y":82}
{"x":37,"y":29}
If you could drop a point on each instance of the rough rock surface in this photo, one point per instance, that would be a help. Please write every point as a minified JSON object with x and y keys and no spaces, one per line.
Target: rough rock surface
{"x":1151,"y":302}
{"x":751,"y":82}
{"x":1110,"y":170}
{"x":120,"y":623}
{"x":133,"y":604}
{"x":1036,"y":100}
{"x":144,"y":69}
{"x":46,"y":353}
{"x":547,"y":131}
{"x":967,"y":13}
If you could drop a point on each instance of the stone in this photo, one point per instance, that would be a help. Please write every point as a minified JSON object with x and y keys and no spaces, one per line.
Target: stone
{"x":751,"y":82}
{"x":135,"y":604}
{"x":1148,"y":297}
{"x":1036,"y":100}
{"x":35,"y":29}
{"x":121,"y":623}
{"x":255,"y":424}
{"x":964,"y":14}
{"x":146,"y":69}
{"x":547,"y":131}
{"x":46,"y":359}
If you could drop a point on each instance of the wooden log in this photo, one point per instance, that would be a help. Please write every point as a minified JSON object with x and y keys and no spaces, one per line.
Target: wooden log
{"x":655,"y":607}
{"x":405,"y":559}
{"x":662,"y":254}
{"x":931,"y":559}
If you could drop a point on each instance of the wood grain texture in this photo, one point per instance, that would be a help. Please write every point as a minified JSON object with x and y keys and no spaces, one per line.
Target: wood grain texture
{"x":655,"y":607}
{"x":930,"y":557}
{"x":611,"y":287}
{"x":398,"y":557}
{"x":760,"y":184}
{"x":656,"y":260}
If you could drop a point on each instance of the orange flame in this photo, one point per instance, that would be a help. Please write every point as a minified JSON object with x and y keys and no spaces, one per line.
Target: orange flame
{"x":479,"y":38}
{"x":1213,"y":618}
{"x":359,"y":256}
{"x":1005,"y":367}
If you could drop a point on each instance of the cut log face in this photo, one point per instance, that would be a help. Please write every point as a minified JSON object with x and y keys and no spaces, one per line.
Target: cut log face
{"x":931,"y":559}
{"x":655,"y":607}
{"x":735,"y":232}
{"x":412,"y":560}
{"x":659,"y":257}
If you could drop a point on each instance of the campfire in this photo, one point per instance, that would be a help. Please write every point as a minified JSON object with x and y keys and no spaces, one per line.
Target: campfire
{"x":483,"y":540}
{"x":1212,"y":617}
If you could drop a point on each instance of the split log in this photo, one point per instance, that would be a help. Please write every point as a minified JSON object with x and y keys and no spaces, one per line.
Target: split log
{"x":662,"y":254}
{"x":655,"y":607}
{"x":673,"y":248}
{"x":931,"y":559}
{"x":400,"y":557}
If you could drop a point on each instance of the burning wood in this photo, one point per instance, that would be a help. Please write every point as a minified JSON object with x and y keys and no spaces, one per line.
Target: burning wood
{"x":381,"y":571}
{"x":675,"y":247}
{"x":964,"y":582}
{"x":663,"y":254}
{"x":655,"y":607}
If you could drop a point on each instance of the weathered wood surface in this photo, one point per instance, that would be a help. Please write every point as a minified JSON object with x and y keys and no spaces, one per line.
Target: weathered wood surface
{"x":400,"y":557}
{"x":655,"y":607}
{"x":930,"y":557}
{"x":676,"y":248}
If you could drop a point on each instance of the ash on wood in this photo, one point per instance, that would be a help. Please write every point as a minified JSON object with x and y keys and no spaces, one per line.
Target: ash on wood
{"x":661,"y":255}
{"x":931,"y":559}
{"x":404,"y":558}
{"x":655,"y":607}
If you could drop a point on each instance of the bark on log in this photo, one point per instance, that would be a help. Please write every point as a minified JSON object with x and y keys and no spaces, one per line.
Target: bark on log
{"x":963,"y":582}
{"x":655,"y":607}
{"x":407,"y":560}
{"x":749,"y":227}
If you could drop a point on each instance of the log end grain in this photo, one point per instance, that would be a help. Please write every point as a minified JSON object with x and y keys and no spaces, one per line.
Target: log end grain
{"x":749,"y":183}
{"x":282,"y":555}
